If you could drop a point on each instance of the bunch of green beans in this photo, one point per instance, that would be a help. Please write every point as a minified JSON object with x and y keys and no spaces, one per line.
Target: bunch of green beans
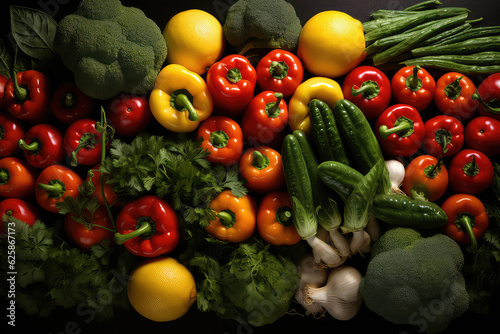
{"x":427,"y":35}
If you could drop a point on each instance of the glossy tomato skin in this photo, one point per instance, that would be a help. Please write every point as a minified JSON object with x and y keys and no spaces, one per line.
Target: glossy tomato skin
{"x":129,"y":114}
{"x":453,"y":96}
{"x":19,"y":209}
{"x":17,"y":179}
{"x":86,"y":236}
{"x":11,"y":130}
{"x":470,"y":172}
{"x":426,"y":175}
{"x":70,"y":104}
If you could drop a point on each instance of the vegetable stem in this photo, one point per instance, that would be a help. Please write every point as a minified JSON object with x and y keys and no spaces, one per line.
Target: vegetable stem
{"x":34,"y":147}
{"x":466,"y":223}
{"x":233,"y":75}
{"x":183,"y":101}
{"x":145,"y":228}
{"x":369,"y":89}
{"x":272,"y":109}
{"x":259,"y":160}
{"x":278,"y":69}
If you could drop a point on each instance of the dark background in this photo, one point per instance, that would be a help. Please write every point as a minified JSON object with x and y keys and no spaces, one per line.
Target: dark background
{"x":69,"y":321}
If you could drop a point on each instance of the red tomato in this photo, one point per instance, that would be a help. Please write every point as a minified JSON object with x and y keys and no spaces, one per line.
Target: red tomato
{"x":129,"y":114}
{"x":19,"y":209}
{"x":470,"y":171}
{"x":91,"y":231}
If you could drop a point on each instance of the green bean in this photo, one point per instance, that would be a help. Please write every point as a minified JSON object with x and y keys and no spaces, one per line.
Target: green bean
{"x":453,"y":66}
{"x":471,"y":33}
{"x":422,"y":35}
{"x":424,"y":5}
{"x":386,"y":13}
{"x":436,"y":38}
{"x":480,"y":58}
{"x":490,"y":43}
{"x":401,"y":24}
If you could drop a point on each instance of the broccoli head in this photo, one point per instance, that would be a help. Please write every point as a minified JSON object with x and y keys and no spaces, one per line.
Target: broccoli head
{"x":262,"y":24}
{"x":416,"y":280}
{"x":110,"y":48}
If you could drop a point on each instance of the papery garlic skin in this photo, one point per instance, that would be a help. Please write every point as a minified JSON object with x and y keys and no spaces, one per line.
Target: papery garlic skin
{"x":396,"y":174}
{"x":340,"y":296}
{"x":313,"y":275}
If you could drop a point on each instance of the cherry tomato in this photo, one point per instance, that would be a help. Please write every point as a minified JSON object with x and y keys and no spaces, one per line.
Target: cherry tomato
{"x":92,"y":230}
{"x":129,"y":114}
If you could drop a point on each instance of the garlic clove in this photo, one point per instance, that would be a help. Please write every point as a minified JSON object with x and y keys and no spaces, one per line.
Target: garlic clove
{"x":396,"y":174}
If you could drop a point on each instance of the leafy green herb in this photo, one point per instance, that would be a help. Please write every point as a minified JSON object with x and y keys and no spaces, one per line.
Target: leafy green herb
{"x":248,"y":282}
{"x":173,"y":168}
{"x":52,"y":275}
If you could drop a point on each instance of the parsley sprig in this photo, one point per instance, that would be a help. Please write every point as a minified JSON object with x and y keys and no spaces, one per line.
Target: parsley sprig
{"x":173,"y":168}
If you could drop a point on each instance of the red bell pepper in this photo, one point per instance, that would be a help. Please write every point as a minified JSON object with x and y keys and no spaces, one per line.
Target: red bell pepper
{"x":280,"y":71}
{"x":54,"y":184}
{"x":262,"y":168}
{"x":3,"y":81}
{"x":89,"y":228}
{"x":488,"y":96}
{"x":400,"y":130}
{"x":467,"y":219}
{"x":70,"y":104}
{"x":483,"y":134}
{"x":19,"y":209}
{"x":470,"y":171}
{"x":83,"y":143}
{"x":265,"y":120}
{"x":426,"y":176}
{"x":223,"y":138}
{"x":231,"y":82}
{"x":274,"y":219}
{"x":369,"y":89}
{"x":129,"y":114}
{"x":27,"y":96}
{"x":454,"y":96}
{"x":11,"y":130}
{"x":147,"y":227}
{"x":413,"y":85}
{"x":444,"y":136}
{"x":43,"y":146}
{"x":17,"y":178}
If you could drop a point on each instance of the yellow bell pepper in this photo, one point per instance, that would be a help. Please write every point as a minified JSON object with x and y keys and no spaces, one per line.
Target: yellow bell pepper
{"x":324,"y":89}
{"x":180,"y":99}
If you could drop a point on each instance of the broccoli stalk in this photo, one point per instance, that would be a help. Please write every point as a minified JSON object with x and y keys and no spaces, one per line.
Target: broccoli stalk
{"x":262,"y":24}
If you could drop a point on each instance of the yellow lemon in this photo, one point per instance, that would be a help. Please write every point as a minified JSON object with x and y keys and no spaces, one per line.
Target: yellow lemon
{"x":195,"y":39}
{"x":331,"y":44}
{"x":161,"y":289}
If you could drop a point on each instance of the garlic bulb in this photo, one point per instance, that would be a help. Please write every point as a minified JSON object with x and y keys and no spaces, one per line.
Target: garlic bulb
{"x":324,"y":254}
{"x":396,"y":174}
{"x":373,"y":228}
{"x":313,"y":275}
{"x":340,"y":296}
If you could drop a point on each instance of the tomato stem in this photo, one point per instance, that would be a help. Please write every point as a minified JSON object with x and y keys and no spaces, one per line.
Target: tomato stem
{"x":465,"y":222}
{"x":488,"y":105}
{"x":413,"y":82}
{"x":403,"y":127}
{"x":453,"y":89}
{"x":34,"y":147}
{"x":4,"y":176}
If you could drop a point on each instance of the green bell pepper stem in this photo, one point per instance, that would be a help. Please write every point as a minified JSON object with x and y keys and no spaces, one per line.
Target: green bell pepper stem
{"x":284,"y":216}
{"x":369,"y":89}
{"x":259,"y":160}
{"x":183,"y":100}
{"x":219,"y":138}
{"x":386,"y":132}
{"x":272,"y":108}
{"x":227,"y":218}
{"x":413,"y":82}
{"x":55,"y":190}
{"x":21,"y":94}
{"x":466,"y":223}
{"x":144,"y":228}
{"x":4,"y":176}
{"x":453,"y":89}
{"x":278,"y":69}
{"x":493,"y":110}
{"x":33,"y":147}
{"x":234,"y":75}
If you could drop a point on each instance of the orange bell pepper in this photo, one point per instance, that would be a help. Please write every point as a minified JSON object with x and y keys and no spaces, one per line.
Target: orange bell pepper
{"x":262,"y":168}
{"x":235,"y":217}
{"x":274,"y":220}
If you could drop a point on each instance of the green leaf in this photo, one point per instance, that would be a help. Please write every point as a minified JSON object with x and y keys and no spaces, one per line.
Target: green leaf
{"x":34,"y":32}
{"x":28,"y":274}
{"x":359,"y":203}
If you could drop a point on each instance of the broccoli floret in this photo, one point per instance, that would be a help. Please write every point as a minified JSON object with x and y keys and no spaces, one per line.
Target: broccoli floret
{"x":110,"y":48}
{"x":416,"y":280}
{"x":262,"y":24}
